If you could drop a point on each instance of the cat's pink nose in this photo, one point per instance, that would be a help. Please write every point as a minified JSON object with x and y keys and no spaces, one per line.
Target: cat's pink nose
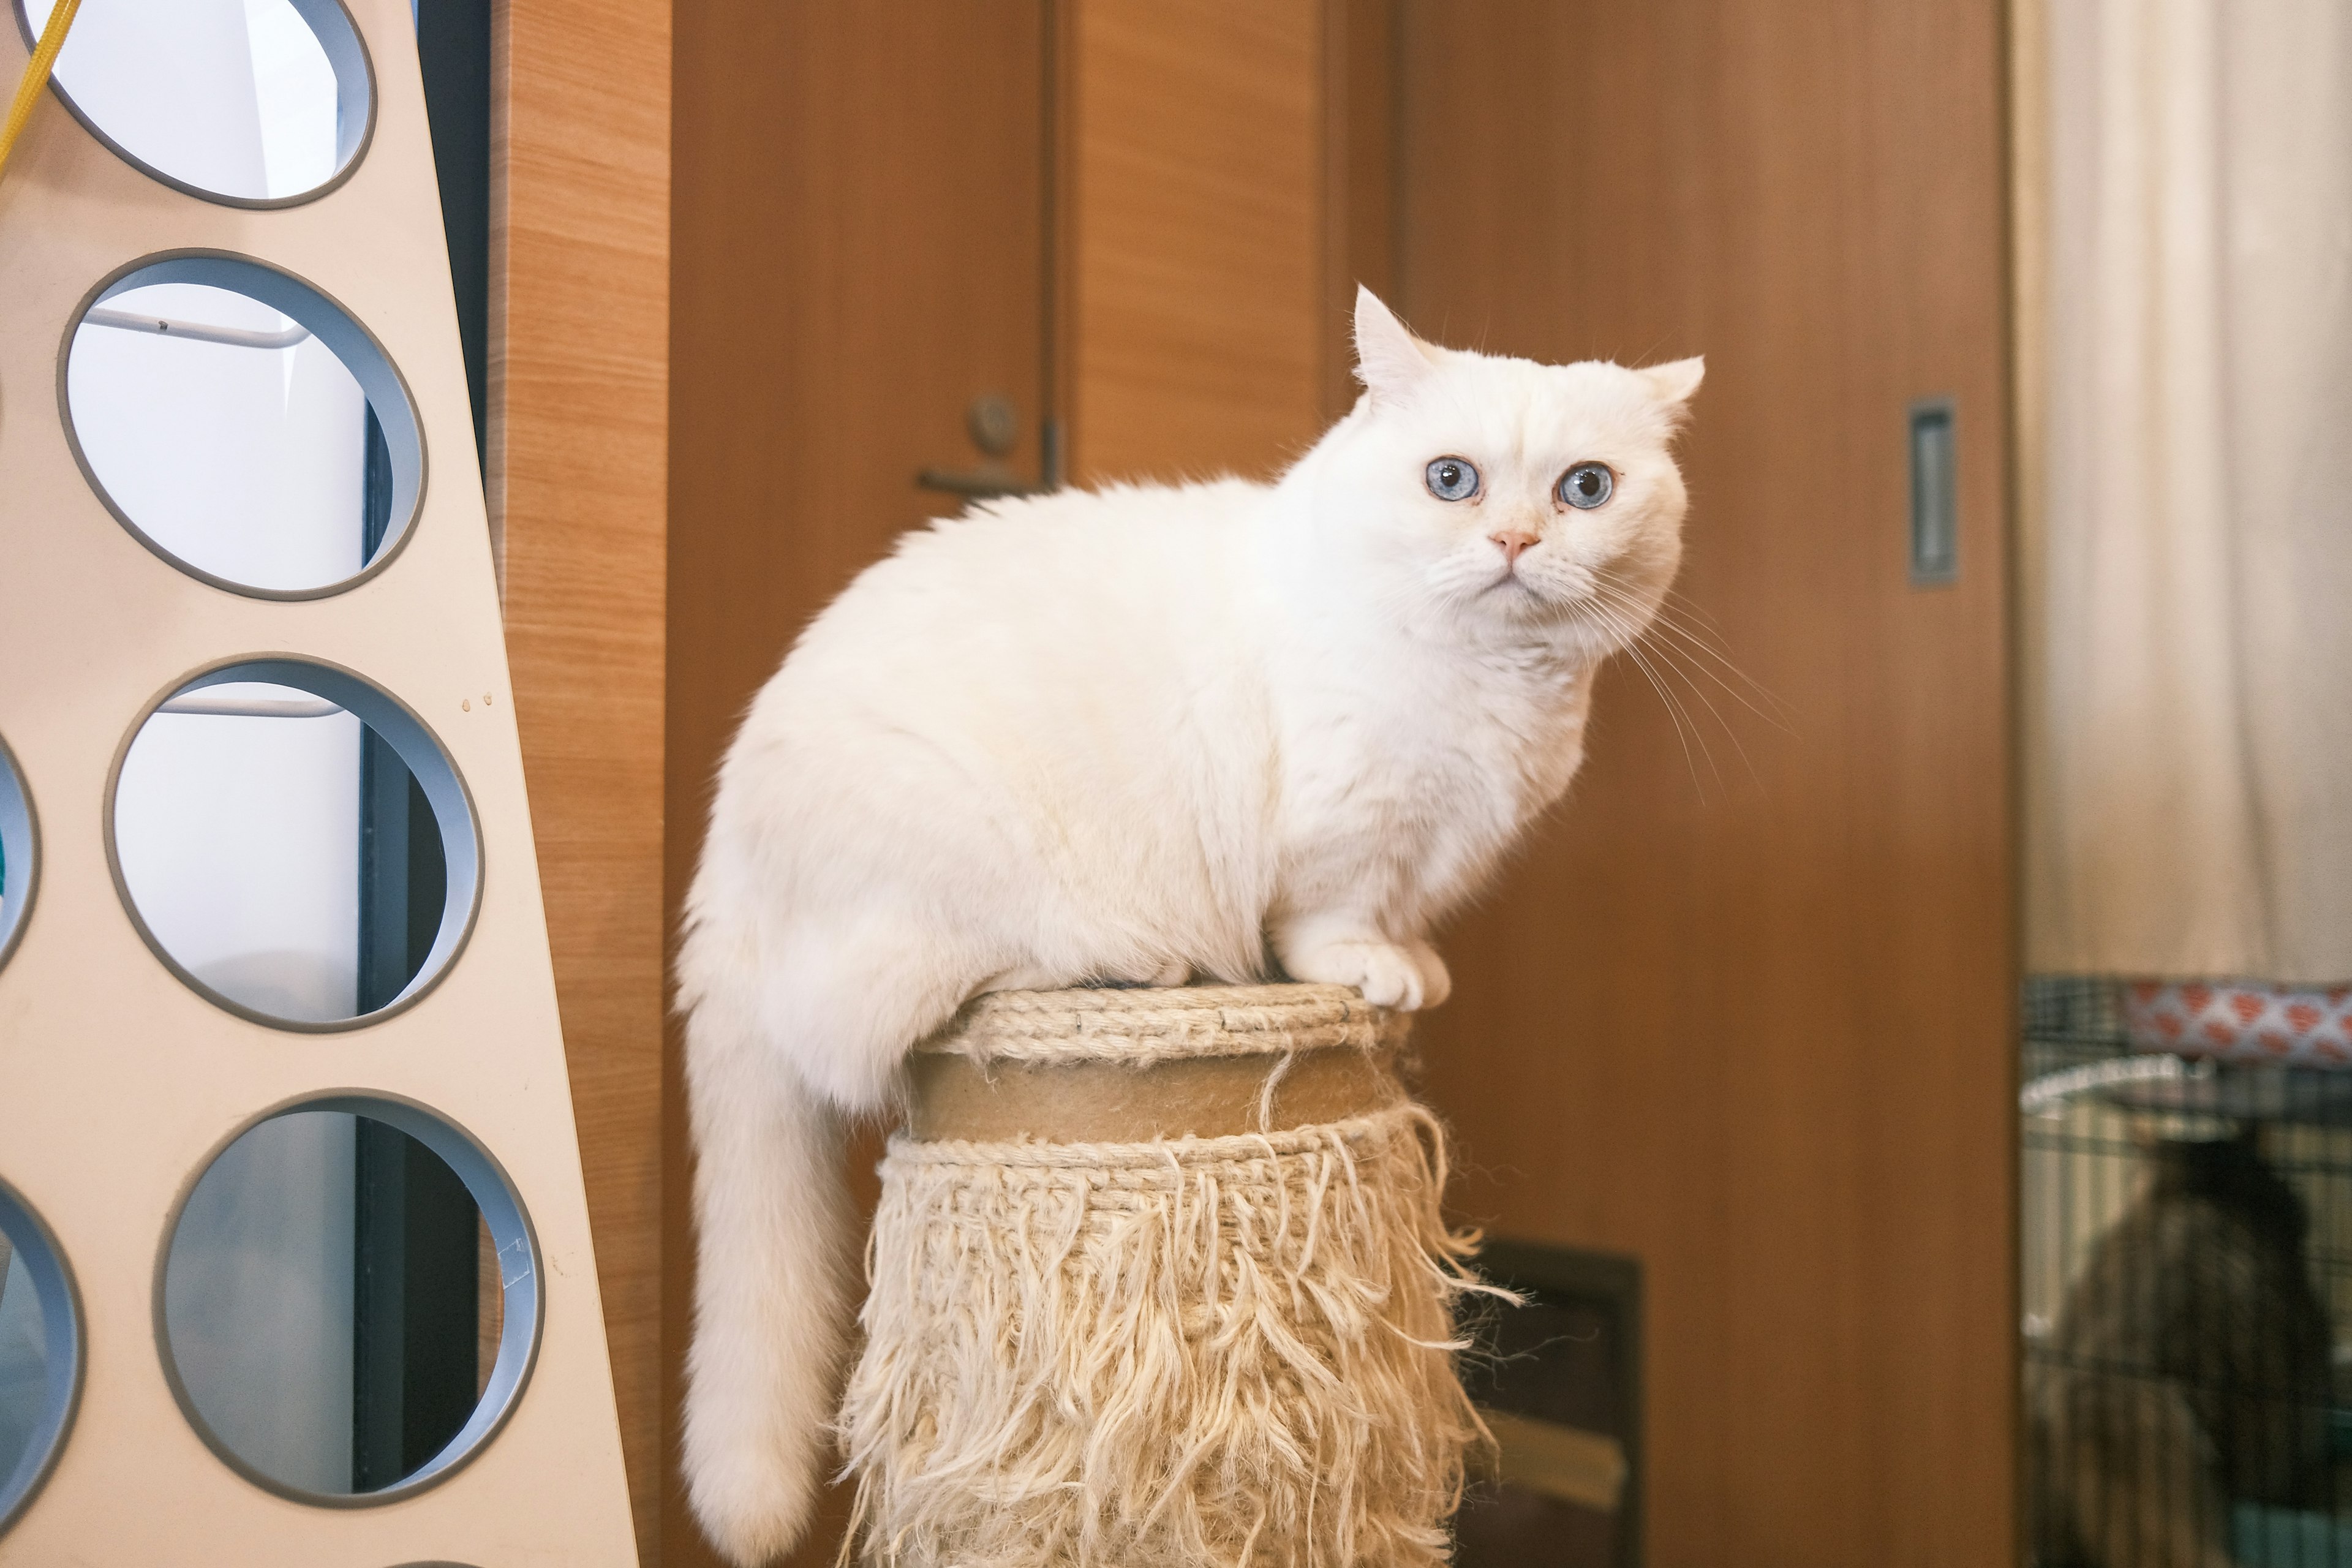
{"x":1511,"y":542}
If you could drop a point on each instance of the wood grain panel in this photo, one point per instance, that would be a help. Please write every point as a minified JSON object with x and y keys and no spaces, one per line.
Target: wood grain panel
{"x":579,"y":465}
{"x":1746,"y":1012}
{"x":1360,"y":168}
{"x":1196,"y":287}
{"x":859,"y":227}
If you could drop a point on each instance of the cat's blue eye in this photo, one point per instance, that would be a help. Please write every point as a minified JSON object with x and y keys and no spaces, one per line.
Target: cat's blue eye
{"x":1451,"y":479}
{"x":1587,"y":485}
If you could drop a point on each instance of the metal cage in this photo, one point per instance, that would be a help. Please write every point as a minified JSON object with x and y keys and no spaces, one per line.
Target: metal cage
{"x":2180,"y":1340}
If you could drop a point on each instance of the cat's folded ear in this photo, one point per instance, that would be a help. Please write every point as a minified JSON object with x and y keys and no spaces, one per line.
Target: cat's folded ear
{"x":1673,"y":383}
{"x":1388,"y":359}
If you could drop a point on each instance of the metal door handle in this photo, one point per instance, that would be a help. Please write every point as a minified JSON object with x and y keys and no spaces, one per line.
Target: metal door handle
{"x":982,"y":483}
{"x":994,"y":426}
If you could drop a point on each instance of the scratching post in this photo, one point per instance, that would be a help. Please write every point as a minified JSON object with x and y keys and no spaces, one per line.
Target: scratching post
{"x":1160,"y":1276}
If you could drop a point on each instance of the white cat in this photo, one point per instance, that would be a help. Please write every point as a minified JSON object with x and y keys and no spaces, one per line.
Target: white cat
{"x":1146,"y":734}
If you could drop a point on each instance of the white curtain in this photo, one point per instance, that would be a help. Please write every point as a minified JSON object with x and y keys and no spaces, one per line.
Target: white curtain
{"x":2186,"y":402}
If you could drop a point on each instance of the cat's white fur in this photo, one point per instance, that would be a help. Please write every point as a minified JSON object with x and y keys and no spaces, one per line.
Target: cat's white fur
{"x":1143,"y":734}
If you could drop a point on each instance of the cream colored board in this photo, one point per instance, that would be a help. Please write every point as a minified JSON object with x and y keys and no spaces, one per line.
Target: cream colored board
{"x":119,"y":1079}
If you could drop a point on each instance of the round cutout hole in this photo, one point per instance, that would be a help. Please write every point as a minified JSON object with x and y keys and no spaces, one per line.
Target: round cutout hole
{"x":257,"y":103}
{"x":40,"y":1352}
{"x":294,"y":844}
{"x":349,"y":1300}
{"x":242,"y":425}
{"x":19,"y":846}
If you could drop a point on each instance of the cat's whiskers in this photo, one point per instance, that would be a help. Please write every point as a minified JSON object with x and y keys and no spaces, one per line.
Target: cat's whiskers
{"x":1624,"y":612}
{"x":1611,"y":630}
{"x":1676,"y":598}
{"x":1695,"y":641}
{"x":1711,"y":662}
{"x":1665,"y":654}
{"x":1690,"y":659}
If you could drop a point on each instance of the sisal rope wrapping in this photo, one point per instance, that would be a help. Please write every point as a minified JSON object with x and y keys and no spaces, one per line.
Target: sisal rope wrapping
{"x":1233,"y":1349}
{"x":1138,"y":1027}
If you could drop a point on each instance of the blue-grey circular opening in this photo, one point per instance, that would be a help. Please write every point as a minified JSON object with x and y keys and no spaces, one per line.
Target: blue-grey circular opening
{"x":40,"y":1355}
{"x":175,"y":811}
{"x":268,"y":104}
{"x":19,"y":853}
{"x":201,"y":1254}
{"x":241,"y":425}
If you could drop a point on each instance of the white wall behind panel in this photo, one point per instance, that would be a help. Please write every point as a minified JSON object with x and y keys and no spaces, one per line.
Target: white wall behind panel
{"x":239,"y":841}
{"x":243,"y":461}
{"x":229,"y":95}
{"x":259,"y":1295}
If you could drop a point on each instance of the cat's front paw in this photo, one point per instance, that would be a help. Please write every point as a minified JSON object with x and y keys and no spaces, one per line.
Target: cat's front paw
{"x":1388,"y":974}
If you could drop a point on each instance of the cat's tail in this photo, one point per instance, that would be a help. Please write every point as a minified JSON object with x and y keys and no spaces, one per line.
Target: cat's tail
{"x":771,"y":1291}
{"x":791,"y":1030}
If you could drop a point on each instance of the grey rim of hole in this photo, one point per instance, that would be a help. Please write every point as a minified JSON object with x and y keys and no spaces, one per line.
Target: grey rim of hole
{"x":418,"y":749}
{"x":339,"y":39}
{"x":513,"y":1241}
{"x":20,"y":853}
{"x":61,"y":1335}
{"x":318,"y":315}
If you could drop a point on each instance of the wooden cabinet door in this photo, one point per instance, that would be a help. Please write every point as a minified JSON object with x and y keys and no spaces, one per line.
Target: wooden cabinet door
{"x":859,"y":252}
{"x":1745,"y":1010}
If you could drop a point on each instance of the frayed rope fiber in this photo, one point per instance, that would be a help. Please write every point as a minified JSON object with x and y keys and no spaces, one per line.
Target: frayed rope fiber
{"x":1229,"y":1351}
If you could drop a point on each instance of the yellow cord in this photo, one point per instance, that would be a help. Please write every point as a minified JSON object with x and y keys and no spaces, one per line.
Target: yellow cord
{"x":36,"y":75}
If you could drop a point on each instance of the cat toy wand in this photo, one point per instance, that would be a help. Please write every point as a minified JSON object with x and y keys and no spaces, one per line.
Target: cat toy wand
{"x":36,"y":76}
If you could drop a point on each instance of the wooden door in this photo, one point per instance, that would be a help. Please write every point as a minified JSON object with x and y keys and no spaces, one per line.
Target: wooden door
{"x":1744,"y":1012}
{"x":858,"y":252}
{"x":578,"y":413}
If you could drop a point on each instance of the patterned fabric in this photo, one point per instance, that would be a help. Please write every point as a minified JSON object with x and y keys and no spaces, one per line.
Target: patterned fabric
{"x":2241,"y":1020}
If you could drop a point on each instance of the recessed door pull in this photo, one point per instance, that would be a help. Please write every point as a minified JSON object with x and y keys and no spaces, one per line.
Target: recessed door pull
{"x":1935,"y":483}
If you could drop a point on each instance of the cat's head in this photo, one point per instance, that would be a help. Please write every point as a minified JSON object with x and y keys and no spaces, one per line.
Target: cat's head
{"x":2231,"y":1171}
{"x":1506,"y":498}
